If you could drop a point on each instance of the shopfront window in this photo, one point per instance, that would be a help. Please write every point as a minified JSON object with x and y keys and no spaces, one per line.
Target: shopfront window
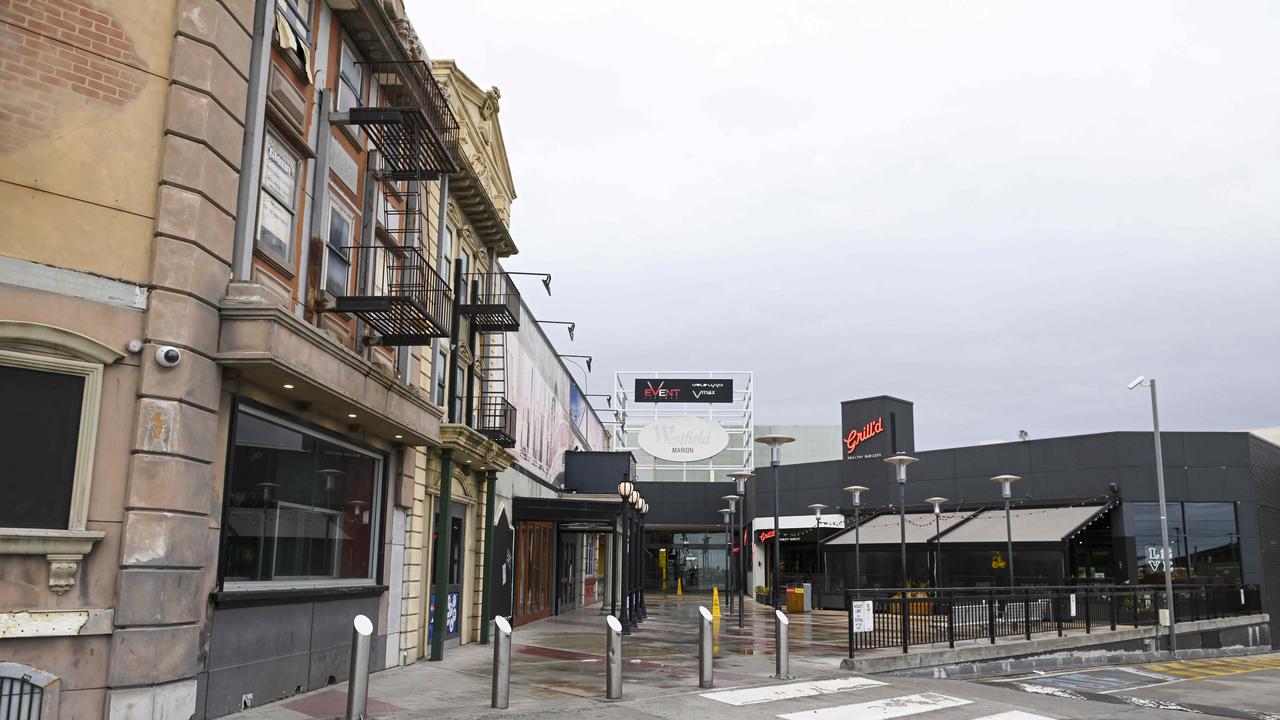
{"x":1203,"y":539}
{"x":302,"y":507}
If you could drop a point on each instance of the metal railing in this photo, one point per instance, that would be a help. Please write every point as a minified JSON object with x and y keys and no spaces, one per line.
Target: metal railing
{"x":949,"y":615}
{"x":492,"y":302}
{"x":413,"y":126}
{"x":401,"y":297}
{"x":498,"y":420}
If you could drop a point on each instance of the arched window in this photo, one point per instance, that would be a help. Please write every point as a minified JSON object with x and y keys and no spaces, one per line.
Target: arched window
{"x":27,"y":693}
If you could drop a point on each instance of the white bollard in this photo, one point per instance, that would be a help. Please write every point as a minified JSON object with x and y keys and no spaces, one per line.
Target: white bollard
{"x":705,"y":649}
{"x":358,"y":686}
{"x":782,"y":654}
{"x":501,"y":695}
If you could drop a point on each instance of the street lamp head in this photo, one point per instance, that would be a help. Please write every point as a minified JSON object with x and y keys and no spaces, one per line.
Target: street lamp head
{"x":856,"y":491}
{"x":1137,"y":381}
{"x":726,"y":513}
{"x":624,"y":489}
{"x":900,"y":463}
{"x":733,"y":501}
{"x":937,"y":504}
{"x":740,"y":478}
{"x":775,"y":443}
{"x":817,"y":509}
{"x":1006,"y":481}
{"x":634,"y":498}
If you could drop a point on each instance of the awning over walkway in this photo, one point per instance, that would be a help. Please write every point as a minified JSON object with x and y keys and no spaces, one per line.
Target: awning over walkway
{"x":1029,"y":524}
{"x":575,"y":514}
{"x":884,"y":529}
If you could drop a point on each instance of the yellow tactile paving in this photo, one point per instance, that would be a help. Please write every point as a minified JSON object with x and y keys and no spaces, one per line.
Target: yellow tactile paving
{"x":1214,"y":667}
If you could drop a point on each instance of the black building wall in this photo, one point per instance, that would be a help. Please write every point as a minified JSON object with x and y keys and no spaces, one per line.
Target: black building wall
{"x":1266,"y":476}
{"x":1199,"y":467}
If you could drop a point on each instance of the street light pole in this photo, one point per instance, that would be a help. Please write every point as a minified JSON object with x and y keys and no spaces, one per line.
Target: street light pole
{"x":1166,"y":550}
{"x":817,"y":509}
{"x":740,"y":478}
{"x":856,"y":491}
{"x":1006,"y":481}
{"x":731,"y":573}
{"x":937,"y":540}
{"x":727,"y":513}
{"x":900,"y":463}
{"x":775,"y":443}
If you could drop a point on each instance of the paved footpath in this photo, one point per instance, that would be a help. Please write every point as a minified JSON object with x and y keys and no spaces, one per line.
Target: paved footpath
{"x":558,"y":672}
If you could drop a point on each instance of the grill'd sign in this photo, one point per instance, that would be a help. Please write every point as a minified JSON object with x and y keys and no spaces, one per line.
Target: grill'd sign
{"x":683,"y":439}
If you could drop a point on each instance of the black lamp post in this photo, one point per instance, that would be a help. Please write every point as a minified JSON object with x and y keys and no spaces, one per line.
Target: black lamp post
{"x":900,"y":463}
{"x":625,"y":488}
{"x":856,"y":491}
{"x":1006,"y":491}
{"x":937,"y":539}
{"x":817,"y":509}
{"x":732,"y":576}
{"x":741,"y":478}
{"x":775,"y":443}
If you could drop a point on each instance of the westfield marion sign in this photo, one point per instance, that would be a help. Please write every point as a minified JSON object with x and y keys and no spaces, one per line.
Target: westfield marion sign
{"x":683,"y":390}
{"x":683,"y":439}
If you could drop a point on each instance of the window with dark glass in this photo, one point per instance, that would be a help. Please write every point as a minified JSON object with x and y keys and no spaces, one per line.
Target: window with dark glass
{"x":300,"y":506}
{"x":442,"y":361}
{"x":1213,"y":545}
{"x":39,"y":438}
{"x":338,"y":263}
{"x":1203,"y":537}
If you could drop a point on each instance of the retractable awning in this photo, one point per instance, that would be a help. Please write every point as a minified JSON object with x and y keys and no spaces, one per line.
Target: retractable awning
{"x":1029,"y":524}
{"x":885,"y":530}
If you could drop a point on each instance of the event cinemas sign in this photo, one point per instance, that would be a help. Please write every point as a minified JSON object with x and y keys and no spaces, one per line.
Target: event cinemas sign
{"x":683,"y":390}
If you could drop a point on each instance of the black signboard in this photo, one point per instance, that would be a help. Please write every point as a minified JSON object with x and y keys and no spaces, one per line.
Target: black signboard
{"x":504,"y":566}
{"x":876,"y":427}
{"x":683,"y":390}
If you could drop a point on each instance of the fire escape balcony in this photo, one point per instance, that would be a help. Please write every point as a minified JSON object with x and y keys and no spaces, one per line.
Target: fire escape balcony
{"x":498,"y":420}
{"x":404,"y":301}
{"x":493,"y":305}
{"x":412,"y":127}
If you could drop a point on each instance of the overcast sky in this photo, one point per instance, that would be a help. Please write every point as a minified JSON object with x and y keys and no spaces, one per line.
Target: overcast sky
{"x":1002,"y":212}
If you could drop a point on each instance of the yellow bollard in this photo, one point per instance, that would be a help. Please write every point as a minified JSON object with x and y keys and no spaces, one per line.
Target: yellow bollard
{"x":679,"y":587}
{"x":715,"y":603}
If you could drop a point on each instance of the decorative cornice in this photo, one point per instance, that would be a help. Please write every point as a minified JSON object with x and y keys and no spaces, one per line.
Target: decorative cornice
{"x":472,"y":448}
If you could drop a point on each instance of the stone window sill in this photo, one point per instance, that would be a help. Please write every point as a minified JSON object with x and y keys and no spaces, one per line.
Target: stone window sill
{"x":64,"y":549}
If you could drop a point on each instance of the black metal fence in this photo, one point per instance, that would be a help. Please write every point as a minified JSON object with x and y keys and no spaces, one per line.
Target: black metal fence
{"x":927,"y":617}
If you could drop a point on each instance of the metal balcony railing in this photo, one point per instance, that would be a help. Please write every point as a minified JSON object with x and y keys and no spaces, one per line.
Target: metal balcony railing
{"x":402,"y":298}
{"x":498,"y":420}
{"x":412,"y":126}
{"x":492,"y":303}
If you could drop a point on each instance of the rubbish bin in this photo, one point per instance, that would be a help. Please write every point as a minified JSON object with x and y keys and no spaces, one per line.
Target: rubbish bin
{"x":795,"y":599}
{"x":807,"y":597}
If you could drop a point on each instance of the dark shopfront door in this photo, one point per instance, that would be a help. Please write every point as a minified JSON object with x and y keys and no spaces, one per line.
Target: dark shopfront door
{"x":453,"y":591}
{"x":566,"y":572}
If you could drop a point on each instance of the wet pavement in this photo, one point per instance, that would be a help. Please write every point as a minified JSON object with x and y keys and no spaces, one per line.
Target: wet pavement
{"x":558,"y":671}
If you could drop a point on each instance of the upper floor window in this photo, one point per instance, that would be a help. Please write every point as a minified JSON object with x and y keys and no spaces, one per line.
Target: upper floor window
{"x":338,"y":249}
{"x":350,"y":78}
{"x":278,"y":200}
{"x":298,"y":14}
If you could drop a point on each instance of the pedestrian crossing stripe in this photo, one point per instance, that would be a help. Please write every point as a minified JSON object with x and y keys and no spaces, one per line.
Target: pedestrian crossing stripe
{"x":771,"y":693}
{"x":1213,"y":667}
{"x":886,"y":709}
{"x":1014,"y":715}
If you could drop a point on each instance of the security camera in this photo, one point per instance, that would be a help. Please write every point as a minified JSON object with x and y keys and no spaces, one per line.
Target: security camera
{"x":168,"y":356}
